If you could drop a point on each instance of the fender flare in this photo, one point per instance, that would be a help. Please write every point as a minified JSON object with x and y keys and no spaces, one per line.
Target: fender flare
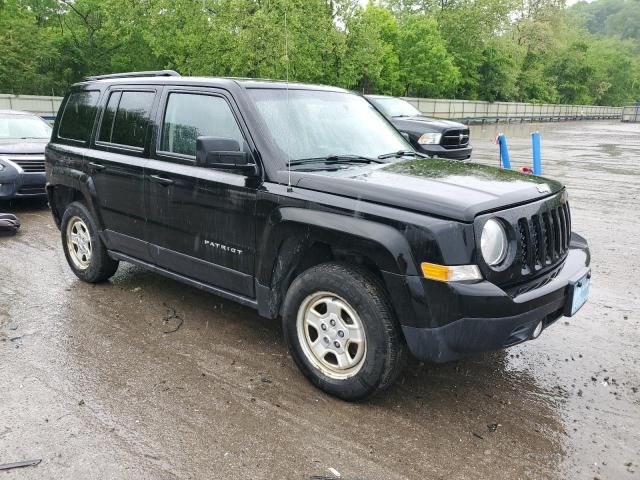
{"x":291,"y":231}
{"x":78,"y":181}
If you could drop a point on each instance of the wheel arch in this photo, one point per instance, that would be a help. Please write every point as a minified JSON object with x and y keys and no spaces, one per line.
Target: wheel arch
{"x":297,"y":239}
{"x":78,"y":187}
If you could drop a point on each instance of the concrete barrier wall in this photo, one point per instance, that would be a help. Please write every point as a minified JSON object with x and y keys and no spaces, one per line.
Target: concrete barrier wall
{"x":631,"y":113}
{"x":471,"y":110}
{"x":44,"y":106}
{"x":465,"y":110}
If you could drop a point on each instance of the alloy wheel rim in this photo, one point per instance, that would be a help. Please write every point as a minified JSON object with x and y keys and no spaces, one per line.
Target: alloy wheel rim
{"x":79,"y":243}
{"x":331,"y":334}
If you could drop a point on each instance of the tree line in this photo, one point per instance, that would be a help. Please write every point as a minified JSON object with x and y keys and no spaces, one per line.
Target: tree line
{"x":507,"y":50}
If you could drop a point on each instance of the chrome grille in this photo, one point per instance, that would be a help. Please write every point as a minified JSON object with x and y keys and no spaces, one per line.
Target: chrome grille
{"x":455,"y":138}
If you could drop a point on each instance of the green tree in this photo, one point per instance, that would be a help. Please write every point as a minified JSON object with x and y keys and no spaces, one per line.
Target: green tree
{"x":371,"y":61}
{"x":426,"y":67}
{"x":26,"y":51}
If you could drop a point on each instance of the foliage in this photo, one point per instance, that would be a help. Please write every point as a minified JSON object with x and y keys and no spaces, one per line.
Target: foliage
{"x":513,"y":50}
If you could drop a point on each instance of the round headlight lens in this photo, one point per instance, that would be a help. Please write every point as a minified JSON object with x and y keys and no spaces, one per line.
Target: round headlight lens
{"x":493,"y":242}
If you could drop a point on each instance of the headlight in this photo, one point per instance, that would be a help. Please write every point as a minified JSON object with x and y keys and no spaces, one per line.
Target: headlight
{"x":493,"y":242}
{"x":430,"y":138}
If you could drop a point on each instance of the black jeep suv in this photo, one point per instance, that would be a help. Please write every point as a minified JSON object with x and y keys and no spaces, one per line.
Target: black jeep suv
{"x":304,"y":202}
{"x":431,"y":136}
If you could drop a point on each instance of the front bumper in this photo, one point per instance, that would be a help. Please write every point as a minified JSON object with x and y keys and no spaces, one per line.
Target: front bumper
{"x":441,"y":152}
{"x":490,"y":318}
{"x":14,"y":183}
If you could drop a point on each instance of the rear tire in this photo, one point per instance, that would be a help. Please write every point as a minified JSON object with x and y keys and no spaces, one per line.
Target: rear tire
{"x":342,"y":332}
{"x":83,"y":248}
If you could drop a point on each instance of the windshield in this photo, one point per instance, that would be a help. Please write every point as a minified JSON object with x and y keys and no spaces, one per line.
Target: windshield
{"x":23,"y":127}
{"x":396,"y":107}
{"x":314,"y":124}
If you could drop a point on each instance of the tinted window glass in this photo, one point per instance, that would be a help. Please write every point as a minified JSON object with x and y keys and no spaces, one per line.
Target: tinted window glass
{"x":109,"y":114}
{"x":189,"y":116}
{"x":132,"y":118}
{"x":79,"y":113}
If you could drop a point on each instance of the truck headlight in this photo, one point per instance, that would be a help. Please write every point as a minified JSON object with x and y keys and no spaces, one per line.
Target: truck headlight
{"x":430,"y":138}
{"x":493,"y":242}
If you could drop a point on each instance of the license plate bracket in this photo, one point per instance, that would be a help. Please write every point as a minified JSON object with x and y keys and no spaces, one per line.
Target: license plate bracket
{"x":578,"y":293}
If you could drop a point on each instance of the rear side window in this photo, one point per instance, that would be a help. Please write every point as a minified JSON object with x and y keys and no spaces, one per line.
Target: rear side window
{"x":189,"y":116}
{"x":78,"y":116}
{"x":126,"y":118}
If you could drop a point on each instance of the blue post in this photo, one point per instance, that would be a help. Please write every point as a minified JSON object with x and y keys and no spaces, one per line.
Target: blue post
{"x":537,"y":160}
{"x":504,"y":151}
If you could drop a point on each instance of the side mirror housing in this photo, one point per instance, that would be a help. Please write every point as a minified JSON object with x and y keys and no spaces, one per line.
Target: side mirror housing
{"x":224,"y":154}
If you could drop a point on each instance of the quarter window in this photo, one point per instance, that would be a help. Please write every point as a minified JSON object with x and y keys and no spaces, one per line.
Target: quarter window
{"x":126,"y":118}
{"x":78,"y":115}
{"x":189,"y":116}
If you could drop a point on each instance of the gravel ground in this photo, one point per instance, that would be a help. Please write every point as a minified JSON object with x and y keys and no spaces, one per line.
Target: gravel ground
{"x":96,"y":383}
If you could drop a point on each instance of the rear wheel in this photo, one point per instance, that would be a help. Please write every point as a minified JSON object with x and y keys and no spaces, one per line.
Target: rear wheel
{"x":83,"y":248}
{"x":341,"y":331}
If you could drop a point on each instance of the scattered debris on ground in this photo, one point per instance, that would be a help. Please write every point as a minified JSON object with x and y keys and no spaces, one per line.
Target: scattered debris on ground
{"x":24,"y":463}
{"x":172,"y":315}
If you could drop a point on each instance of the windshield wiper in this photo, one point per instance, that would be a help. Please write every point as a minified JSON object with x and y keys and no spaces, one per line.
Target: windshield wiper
{"x":336,"y":159}
{"x":398,"y":154}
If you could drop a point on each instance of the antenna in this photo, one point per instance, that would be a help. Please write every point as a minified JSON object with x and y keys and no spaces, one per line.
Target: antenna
{"x":286,"y":59}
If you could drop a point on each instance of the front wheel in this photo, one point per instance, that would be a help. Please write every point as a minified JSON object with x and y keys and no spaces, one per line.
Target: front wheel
{"x":342,"y":332}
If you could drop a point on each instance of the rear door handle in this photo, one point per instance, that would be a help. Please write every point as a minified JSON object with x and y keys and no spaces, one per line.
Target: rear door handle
{"x":97,"y":166}
{"x":161,"y":180}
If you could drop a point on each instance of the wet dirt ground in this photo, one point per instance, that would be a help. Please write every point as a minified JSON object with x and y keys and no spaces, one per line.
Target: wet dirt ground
{"x":95,"y":381}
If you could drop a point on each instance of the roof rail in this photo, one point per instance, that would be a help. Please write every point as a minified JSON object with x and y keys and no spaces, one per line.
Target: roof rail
{"x":151,"y":73}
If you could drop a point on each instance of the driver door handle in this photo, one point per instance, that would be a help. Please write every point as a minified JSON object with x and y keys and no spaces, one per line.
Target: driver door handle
{"x":161,"y":180}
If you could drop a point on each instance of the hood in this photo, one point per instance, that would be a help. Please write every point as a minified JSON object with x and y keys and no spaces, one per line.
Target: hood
{"x":443,"y":188}
{"x":16,"y":146}
{"x":424,"y":124}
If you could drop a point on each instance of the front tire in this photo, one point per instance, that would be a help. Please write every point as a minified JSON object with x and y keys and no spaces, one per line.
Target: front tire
{"x":83,"y":248}
{"x":342,"y":332}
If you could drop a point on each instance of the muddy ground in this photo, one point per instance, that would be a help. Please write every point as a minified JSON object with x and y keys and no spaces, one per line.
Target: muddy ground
{"x":94,"y":381}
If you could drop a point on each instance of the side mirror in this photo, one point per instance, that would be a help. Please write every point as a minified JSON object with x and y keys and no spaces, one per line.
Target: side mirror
{"x":222,"y":153}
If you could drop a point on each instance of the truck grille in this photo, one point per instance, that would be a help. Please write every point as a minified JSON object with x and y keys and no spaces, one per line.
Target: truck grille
{"x":543,"y":239}
{"x":29,"y":163}
{"x":455,"y":138}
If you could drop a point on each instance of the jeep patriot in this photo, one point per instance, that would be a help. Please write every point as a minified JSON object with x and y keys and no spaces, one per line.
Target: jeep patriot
{"x":305,"y":203}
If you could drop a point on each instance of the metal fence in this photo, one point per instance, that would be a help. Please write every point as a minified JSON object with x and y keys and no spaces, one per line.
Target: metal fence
{"x":631,"y":113}
{"x":463,"y":110}
{"x":478,"y":111}
{"x":46,"y":107}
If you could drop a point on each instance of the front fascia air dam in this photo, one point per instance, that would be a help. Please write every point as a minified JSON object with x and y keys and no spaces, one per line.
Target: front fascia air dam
{"x":482,"y":316}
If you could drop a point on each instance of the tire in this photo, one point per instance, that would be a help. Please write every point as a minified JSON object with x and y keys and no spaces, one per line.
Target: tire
{"x":356,"y":302}
{"x":87,"y":256}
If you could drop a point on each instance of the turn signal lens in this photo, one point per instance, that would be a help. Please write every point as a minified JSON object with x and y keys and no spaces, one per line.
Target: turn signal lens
{"x":456,"y":273}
